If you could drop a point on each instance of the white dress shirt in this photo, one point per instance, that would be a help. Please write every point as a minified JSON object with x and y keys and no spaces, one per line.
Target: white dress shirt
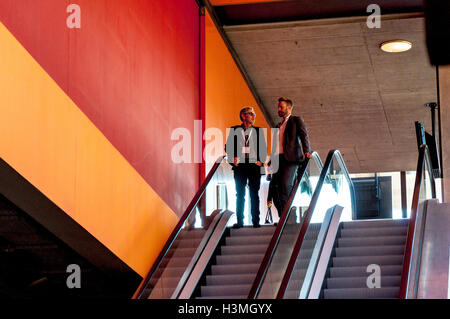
{"x":280,"y":136}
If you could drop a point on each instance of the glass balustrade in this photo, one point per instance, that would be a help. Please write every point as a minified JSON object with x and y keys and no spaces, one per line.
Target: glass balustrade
{"x":334,"y":187}
{"x":290,"y":229}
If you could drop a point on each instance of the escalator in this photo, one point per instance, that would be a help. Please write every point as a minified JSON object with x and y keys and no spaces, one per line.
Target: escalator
{"x":289,"y":264}
{"x":188,"y":245}
{"x":217,"y":261}
{"x":360,"y":244}
{"x":175,"y":263}
{"x":236,"y":265}
{"x":373,"y":258}
{"x":317,"y":249}
{"x":350,"y":259}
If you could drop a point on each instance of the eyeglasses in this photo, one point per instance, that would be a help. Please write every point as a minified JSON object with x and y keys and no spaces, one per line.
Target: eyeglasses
{"x":249,"y":113}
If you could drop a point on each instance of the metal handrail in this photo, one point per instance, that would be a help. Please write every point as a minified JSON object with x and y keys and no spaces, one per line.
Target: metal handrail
{"x":332,"y":154}
{"x":265,"y":264}
{"x":202,"y":262}
{"x":198,"y":253}
{"x":177,"y":229}
{"x":424,"y":155}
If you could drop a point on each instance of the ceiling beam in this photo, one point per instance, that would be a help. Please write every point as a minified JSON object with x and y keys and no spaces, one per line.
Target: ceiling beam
{"x":279,"y":11}
{"x":318,"y":22}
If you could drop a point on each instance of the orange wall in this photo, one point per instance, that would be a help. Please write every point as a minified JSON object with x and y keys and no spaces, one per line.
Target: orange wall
{"x":52,"y":143}
{"x":226,"y":90}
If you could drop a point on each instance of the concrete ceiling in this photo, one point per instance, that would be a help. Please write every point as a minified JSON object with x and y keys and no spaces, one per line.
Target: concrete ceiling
{"x":352,"y":96}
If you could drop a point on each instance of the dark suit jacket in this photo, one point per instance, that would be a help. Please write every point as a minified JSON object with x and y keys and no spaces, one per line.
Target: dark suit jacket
{"x":295,"y":140}
{"x":257,"y":144}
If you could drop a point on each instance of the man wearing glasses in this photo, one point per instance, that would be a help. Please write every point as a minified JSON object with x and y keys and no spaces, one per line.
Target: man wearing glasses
{"x":246,"y":151}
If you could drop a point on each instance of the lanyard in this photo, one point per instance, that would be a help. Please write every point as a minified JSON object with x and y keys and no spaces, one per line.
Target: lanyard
{"x":247,"y":141}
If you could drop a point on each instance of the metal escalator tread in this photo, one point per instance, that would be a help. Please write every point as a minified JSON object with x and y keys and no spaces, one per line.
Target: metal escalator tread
{"x":371,"y":241}
{"x":362,"y":293}
{"x":239,"y":279}
{"x":383,"y":250}
{"x":238,"y":263}
{"x":361,"y":271}
{"x":364,"y":243}
{"x":367,"y":260}
{"x":361,"y":282}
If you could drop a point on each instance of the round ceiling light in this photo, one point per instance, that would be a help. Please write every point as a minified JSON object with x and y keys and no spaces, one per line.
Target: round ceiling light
{"x":396,"y":46}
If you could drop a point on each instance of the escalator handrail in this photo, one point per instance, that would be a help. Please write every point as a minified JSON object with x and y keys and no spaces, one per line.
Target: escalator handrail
{"x":222,"y":215}
{"x":424,"y":155}
{"x":305,"y":224}
{"x":207,"y":252}
{"x":177,"y":229}
{"x":259,"y":279}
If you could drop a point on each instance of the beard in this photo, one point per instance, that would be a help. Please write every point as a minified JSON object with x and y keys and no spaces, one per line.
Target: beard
{"x":281,"y":113}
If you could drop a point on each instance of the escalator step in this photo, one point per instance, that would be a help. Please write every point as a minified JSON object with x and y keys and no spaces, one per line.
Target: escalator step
{"x":247,"y":240}
{"x":178,"y":262}
{"x":243,"y":250}
{"x":371,"y":241}
{"x":192,"y":234}
{"x":229,"y":290}
{"x":186,"y":243}
{"x":373,"y":232}
{"x":237,"y":259}
{"x":250,"y":231}
{"x":367,"y":260}
{"x":234,"y":269}
{"x":172,"y":271}
{"x":386,"y":270}
{"x":362,"y":293}
{"x":375,"y":223}
{"x":183,"y":252}
{"x":370,"y":251}
{"x":243,"y":279}
{"x":361,"y":282}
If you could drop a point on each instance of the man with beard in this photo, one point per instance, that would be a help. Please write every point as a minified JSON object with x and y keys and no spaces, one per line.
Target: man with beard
{"x":290,"y":147}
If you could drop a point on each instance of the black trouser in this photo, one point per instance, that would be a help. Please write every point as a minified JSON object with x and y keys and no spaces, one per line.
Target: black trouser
{"x":243,"y":174}
{"x":283,"y":181}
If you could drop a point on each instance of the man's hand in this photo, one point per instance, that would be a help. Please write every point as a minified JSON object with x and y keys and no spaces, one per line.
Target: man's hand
{"x":236,"y":161}
{"x":259,"y":163}
{"x":308,"y":155}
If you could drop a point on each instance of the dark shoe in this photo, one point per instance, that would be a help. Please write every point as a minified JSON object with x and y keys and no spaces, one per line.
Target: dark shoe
{"x":256,"y":225}
{"x":236,"y":226}
{"x":275,"y":224}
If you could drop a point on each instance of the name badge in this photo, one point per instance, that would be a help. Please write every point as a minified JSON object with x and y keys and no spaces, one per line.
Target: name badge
{"x":246,"y":150}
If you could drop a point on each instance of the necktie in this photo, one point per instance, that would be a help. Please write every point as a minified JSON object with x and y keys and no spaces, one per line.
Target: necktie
{"x":247,"y":144}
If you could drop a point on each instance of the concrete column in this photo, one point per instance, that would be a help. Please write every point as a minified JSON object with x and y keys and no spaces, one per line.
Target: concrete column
{"x":444,"y":92}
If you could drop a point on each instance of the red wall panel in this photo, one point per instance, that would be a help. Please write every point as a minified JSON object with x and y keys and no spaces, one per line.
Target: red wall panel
{"x":132,"y":68}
